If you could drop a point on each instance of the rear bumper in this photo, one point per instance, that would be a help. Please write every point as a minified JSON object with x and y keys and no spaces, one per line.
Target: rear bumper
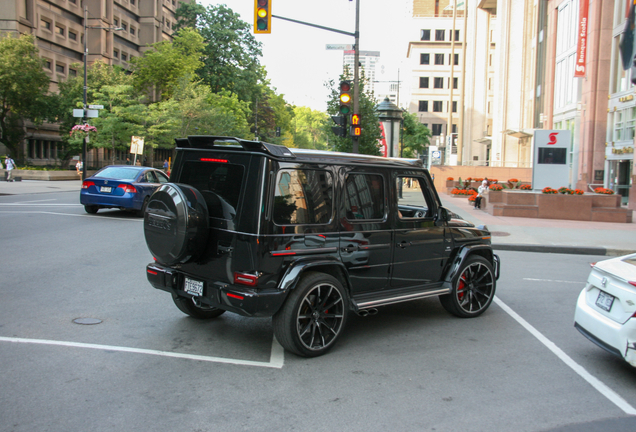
{"x":616,"y":338}
{"x":233,"y":298}
{"x":127,"y":201}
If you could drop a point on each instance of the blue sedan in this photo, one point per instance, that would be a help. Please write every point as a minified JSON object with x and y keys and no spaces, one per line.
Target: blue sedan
{"x":121,"y":186}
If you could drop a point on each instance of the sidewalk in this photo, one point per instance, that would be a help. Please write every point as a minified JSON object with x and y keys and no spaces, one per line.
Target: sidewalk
{"x":508,"y":233}
{"x":549,"y":235}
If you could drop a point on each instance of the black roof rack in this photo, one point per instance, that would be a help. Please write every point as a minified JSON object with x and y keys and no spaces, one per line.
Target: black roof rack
{"x":206,"y":142}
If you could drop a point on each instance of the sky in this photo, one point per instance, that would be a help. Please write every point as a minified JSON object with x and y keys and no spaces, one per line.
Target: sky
{"x":295,"y":56}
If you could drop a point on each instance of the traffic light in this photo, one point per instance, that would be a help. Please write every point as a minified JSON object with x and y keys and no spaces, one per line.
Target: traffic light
{"x":345,"y":97}
{"x":341,"y":129}
{"x":262,"y":16}
{"x":355,"y":129}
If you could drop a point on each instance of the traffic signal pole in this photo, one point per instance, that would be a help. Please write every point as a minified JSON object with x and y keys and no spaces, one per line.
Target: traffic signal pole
{"x":356,"y":59}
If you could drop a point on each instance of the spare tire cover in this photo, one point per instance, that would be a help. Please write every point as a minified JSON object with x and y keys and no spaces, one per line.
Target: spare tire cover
{"x":176,"y":223}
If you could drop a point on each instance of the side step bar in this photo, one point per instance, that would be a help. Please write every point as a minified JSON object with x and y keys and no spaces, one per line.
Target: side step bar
{"x":398,"y":299}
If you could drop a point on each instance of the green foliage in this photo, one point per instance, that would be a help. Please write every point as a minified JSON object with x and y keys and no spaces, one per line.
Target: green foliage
{"x":231,"y":53}
{"x":309,"y":128}
{"x":168,"y":62}
{"x":415,"y":136}
{"x":23,"y":89}
{"x":368,"y":142}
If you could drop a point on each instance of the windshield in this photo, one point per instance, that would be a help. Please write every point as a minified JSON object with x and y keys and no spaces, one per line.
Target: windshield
{"x":118,"y":173}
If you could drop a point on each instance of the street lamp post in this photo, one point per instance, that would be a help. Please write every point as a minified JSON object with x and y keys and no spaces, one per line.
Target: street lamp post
{"x":85,"y":118}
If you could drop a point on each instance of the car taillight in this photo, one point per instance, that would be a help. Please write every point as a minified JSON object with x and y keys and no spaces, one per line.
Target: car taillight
{"x":128,"y":188}
{"x":87,"y":183}
{"x":632,"y":283}
{"x":245,"y":279}
{"x":213,"y":160}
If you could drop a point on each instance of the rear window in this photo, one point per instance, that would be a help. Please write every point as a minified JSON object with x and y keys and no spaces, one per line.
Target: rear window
{"x":219,"y":183}
{"x":118,"y":173}
{"x":303,"y":197}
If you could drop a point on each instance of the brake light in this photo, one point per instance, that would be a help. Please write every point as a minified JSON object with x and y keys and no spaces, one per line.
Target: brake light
{"x":127,"y":188}
{"x":245,"y":279}
{"x":592,"y":264}
{"x":87,"y":184}
{"x":152,"y":272}
{"x":213,"y":160}
{"x":235,"y":296}
{"x":632,"y":283}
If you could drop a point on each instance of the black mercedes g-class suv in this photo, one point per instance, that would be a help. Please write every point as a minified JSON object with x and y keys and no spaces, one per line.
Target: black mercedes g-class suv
{"x":307,"y":236}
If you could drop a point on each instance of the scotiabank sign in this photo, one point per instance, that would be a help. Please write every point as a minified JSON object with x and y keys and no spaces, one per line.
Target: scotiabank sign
{"x":581,"y":46}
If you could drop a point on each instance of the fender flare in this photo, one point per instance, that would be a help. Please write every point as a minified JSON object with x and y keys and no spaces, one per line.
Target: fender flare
{"x":295,"y":271}
{"x":466,"y":252}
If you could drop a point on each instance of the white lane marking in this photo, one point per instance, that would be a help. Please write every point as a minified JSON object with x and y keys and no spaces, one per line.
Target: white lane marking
{"x":276,"y":360}
{"x":74,"y":215}
{"x":610,"y":394}
{"x":554,"y":280}
{"x":36,"y":201}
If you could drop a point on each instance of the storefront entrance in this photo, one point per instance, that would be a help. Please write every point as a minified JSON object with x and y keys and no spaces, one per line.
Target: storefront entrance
{"x":620,"y":178}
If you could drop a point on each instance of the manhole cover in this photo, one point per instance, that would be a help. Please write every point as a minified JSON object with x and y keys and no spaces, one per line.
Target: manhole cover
{"x":499,"y":234}
{"x":87,"y":321}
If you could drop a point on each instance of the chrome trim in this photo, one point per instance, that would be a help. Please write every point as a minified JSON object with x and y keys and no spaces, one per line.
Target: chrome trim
{"x":400,"y":299}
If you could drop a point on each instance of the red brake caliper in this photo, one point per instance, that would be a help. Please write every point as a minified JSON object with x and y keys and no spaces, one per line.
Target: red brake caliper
{"x":460,"y":289}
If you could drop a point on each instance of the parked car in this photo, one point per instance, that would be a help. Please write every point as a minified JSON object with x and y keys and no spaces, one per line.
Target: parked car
{"x":306,"y":237}
{"x":121,"y":186}
{"x":606,"y":308}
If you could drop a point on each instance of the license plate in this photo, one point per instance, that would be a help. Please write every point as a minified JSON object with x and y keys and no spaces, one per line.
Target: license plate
{"x":105,"y":189}
{"x":605,"y":301}
{"x":193,"y":287}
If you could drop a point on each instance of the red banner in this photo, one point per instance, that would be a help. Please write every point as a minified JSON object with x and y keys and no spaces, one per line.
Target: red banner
{"x":384,"y":150}
{"x":581,"y":46}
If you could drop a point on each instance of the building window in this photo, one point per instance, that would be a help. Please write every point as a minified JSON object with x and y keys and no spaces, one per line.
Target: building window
{"x":425,"y":59}
{"x":423,"y":107}
{"x":438,"y":82}
{"x":132,"y":2}
{"x":124,"y":26}
{"x":59,"y":30}
{"x":72,"y":72}
{"x":132,"y":30}
{"x":72,"y":35}
{"x":116,"y":22}
{"x":456,"y":35}
{"x":116,"y":53}
{"x":439,"y":59}
{"x":45,"y":24}
{"x":437,"y":129}
{"x":437,"y":106}
{"x":59,"y":68}
{"x":454,"y":107}
{"x":440,"y":35}
{"x":423,"y":82}
{"x":124,"y":57}
{"x":425,"y":35}
{"x":72,"y":1}
{"x":455,"y":81}
{"x":47,"y":64}
{"x":456,"y":62}
{"x":624,"y":122}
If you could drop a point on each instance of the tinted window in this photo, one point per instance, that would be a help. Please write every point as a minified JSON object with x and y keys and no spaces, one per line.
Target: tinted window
{"x":412,"y":202}
{"x":219,"y":183}
{"x":119,"y":173}
{"x":303,"y":197}
{"x":364,"y":197}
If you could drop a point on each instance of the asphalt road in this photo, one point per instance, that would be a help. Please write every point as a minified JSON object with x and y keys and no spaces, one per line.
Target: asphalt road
{"x":146,"y":366}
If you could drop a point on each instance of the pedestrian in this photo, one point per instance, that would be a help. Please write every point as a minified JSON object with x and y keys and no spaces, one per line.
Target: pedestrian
{"x":78,"y":166}
{"x":127,"y":161}
{"x":1,"y":166}
{"x":10,"y":165}
{"x":138,"y":163}
{"x":481,"y":191}
{"x":166,"y":165}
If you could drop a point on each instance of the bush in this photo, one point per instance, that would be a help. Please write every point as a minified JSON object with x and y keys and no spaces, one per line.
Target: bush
{"x":578,"y":192}
{"x":450,"y":179}
{"x":526,"y":187}
{"x":604,"y":191}
{"x":565,"y":191}
{"x":549,"y":190}
{"x":496,"y":187}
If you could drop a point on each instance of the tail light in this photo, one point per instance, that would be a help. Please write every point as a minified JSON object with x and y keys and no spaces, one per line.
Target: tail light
{"x":87,"y":183}
{"x":245,"y":279}
{"x":128,"y":188}
{"x":632,"y":283}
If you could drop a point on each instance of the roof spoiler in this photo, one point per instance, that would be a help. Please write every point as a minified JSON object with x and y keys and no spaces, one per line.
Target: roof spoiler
{"x":220,"y":142}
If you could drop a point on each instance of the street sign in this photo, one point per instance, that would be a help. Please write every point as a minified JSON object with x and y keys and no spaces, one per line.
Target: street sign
{"x":97,"y":107}
{"x":92,"y":113}
{"x":341,"y":47}
{"x":78,"y":113}
{"x":137,"y":145}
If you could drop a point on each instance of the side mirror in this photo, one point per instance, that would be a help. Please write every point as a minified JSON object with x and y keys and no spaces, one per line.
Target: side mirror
{"x":443,"y":215}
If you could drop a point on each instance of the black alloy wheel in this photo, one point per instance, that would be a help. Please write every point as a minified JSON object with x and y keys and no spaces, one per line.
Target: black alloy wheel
{"x":313,"y":317}
{"x":473,"y":289}
{"x":203,"y":312}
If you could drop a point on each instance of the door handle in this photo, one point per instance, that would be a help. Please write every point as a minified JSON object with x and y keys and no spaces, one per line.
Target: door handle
{"x":404,"y":244}
{"x":350,"y":248}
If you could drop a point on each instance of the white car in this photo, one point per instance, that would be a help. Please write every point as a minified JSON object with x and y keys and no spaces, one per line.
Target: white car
{"x":606,"y":309}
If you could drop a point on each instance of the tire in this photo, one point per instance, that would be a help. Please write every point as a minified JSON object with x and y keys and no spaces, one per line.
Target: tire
{"x":176,"y":224}
{"x":187,"y":306}
{"x":141,"y":212}
{"x":91,"y":209}
{"x":473,"y":289}
{"x":313,"y":316}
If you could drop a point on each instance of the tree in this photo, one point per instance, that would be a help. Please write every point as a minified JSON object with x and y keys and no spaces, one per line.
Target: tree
{"x":162,"y":67}
{"x":23,"y":90}
{"x":371,"y":134}
{"x":415,"y":136}
{"x":231,"y":54}
{"x":309,"y":128}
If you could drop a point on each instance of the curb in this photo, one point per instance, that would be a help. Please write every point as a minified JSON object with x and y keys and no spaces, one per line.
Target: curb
{"x":571,"y":250}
